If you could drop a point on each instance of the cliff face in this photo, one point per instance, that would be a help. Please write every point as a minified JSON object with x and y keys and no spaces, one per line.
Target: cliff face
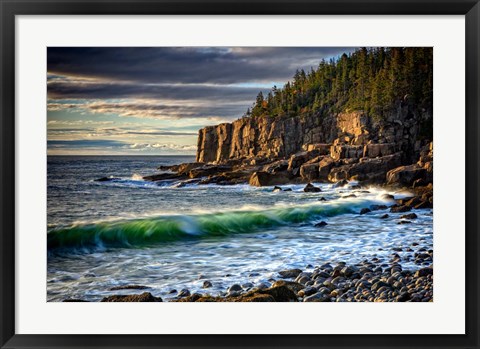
{"x":346,"y":135}
{"x":261,"y":137}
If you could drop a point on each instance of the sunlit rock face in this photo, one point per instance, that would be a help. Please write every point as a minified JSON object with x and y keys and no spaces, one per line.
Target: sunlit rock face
{"x":319,"y":141}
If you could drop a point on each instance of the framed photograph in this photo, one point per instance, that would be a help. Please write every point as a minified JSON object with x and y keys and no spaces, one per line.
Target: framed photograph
{"x":239,"y":174}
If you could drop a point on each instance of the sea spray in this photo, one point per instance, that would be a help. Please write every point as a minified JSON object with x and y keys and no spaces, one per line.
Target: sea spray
{"x":164,"y":229}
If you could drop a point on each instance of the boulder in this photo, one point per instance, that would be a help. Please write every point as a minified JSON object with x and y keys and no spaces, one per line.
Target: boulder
{"x":405,"y":175}
{"x":324,"y":167}
{"x":400,"y":209}
{"x":144,"y":297}
{"x":164,"y":176}
{"x":187,"y":167}
{"x":208,"y":170}
{"x":309,"y":172}
{"x":289,"y":273}
{"x":365,"y":210}
{"x":341,"y":183}
{"x":261,"y":179}
{"x":310,"y":188}
{"x":106,"y":179}
{"x":276,"y":166}
{"x":296,"y":160}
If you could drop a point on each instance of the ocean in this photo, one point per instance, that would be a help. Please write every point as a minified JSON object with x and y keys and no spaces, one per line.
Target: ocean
{"x":174,"y":236}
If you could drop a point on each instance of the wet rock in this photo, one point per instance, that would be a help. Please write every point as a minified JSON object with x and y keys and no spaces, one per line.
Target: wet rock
{"x":280,"y":294}
{"x":164,"y":176}
{"x":144,"y":297}
{"x":337,"y":280}
{"x":317,"y":297}
{"x":287,"y":189}
{"x":341,"y":183}
{"x":172,"y":291}
{"x":261,"y":179}
{"x":405,"y":175}
{"x":128,"y":287}
{"x":247,"y":285}
{"x":399,"y":209}
{"x":106,"y":179}
{"x":423,"y":272}
{"x":378,"y":207}
{"x":404,"y":222}
{"x":289,"y":273}
{"x":365,"y":210}
{"x":379,"y":284}
{"x":262,"y":285}
{"x":326,"y":266}
{"x":322,"y":199}
{"x":293,"y":286}
{"x":310,"y":188}
{"x":256,"y":297}
{"x":183,"y":293}
{"x":409,"y":216}
{"x":277,"y":189}
{"x":321,"y":224}
{"x":207,"y":284}
{"x":387,"y":197}
{"x":424,"y":204}
{"x":208,"y":170}
{"x":74,"y":300}
{"x":384,"y":216}
{"x":302,"y":279}
{"x":348,"y":271}
{"x":307,"y":291}
{"x":235,"y":287}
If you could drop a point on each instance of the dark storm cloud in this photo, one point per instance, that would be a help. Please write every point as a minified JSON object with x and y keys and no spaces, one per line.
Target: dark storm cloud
{"x":109,"y":90}
{"x":192,"y":82}
{"x":186,"y":64}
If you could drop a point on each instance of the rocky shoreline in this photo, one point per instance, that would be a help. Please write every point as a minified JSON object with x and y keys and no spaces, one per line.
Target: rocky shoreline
{"x":378,"y":279}
{"x":371,"y":280}
{"x":396,"y":152}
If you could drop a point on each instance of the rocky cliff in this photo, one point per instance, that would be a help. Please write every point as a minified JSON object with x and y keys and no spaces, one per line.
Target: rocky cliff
{"x":346,"y":135}
{"x":345,"y":146}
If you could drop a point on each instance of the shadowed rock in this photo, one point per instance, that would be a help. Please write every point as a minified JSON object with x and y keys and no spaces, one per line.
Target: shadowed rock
{"x":144,"y":297}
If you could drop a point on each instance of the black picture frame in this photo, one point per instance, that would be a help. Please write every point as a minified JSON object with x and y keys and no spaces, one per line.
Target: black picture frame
{"x":11,"y":8}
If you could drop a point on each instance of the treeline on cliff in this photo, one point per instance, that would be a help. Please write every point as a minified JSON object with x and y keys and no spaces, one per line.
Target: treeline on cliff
{"x":374,"y":80}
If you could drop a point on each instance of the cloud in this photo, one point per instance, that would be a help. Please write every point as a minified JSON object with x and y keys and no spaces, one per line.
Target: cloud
{"x":103,"y":146}
{"x":154,"y":109}
{"x":178,"y":88}
{"x":186,"y":64}
{"x":53,"y":123}
{"x":84,"y":143}
{"x":225,"y":80}
{"x":116,"y":131}
{"x":169,"y":146}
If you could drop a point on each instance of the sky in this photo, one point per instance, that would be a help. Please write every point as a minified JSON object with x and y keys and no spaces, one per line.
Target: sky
{"x":153,"y":100}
